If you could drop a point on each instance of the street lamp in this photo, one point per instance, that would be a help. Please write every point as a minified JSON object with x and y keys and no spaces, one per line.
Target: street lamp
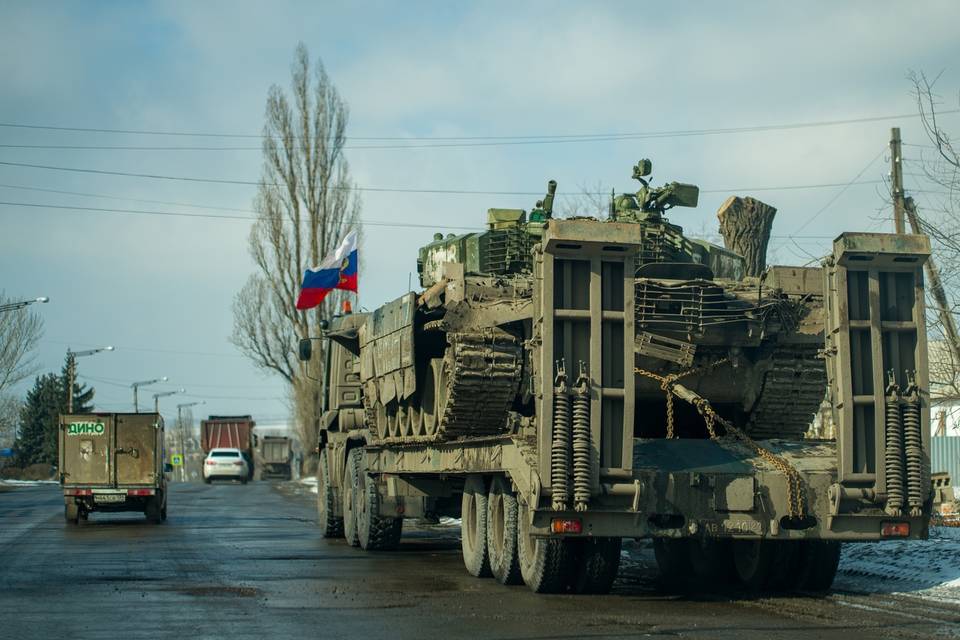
{"x":13,"y":306}
{"x":164,"y":394}
{"x":183,"y":450}
{"x":72,"y":368}
{"x":137,"y":385}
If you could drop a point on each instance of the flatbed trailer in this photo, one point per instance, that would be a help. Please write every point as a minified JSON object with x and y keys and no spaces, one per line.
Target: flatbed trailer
{"x":549,"y":509}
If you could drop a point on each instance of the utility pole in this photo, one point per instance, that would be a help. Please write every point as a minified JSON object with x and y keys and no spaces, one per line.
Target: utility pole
{"x":896,"y":180}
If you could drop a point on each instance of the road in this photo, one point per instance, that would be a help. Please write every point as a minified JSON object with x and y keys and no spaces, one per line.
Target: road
{"x":238,"y":561}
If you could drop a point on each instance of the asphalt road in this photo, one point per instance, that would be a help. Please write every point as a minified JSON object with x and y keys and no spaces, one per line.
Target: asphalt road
{"x":247,"y":562}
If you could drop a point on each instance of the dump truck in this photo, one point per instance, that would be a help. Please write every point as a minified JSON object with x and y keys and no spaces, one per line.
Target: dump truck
{"x":230,"y":432}
{"x":274,"y":458}
{"x":113,"y":462}
{"x":563,"y":384}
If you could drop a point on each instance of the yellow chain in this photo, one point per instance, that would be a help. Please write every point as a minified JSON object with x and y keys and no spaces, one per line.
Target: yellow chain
{"x":795,"y":495}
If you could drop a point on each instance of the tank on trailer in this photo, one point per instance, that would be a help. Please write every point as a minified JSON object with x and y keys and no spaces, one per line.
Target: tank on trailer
{"x":562,"y":384}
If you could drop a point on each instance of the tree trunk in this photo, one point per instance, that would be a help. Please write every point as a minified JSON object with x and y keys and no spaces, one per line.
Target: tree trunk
{"x":745,"y":224}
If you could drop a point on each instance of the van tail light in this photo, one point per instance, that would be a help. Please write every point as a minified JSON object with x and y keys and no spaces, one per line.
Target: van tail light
{"x":139,"y":492}
{"x":211,"y":462}
{"x":78,"y":492}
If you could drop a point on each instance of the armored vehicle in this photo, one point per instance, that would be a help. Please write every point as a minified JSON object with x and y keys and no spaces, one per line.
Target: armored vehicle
{"x":562,"y":384}
{"x":113,"y":462}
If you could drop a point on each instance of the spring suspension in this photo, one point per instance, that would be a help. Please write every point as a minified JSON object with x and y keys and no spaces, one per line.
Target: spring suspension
{"x":581,"y":441}
{"x":560,"y":447}
{"x":913,"y":447}
{"x":893,"y":453}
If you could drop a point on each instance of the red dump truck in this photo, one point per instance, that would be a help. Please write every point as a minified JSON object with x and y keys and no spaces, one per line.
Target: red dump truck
{"x":230,"y":432}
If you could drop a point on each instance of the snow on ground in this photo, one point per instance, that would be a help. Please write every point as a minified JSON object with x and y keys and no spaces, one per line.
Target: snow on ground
{"x":13,"y":483}
{"x":924,"y":568}
{"x":309,"y":482}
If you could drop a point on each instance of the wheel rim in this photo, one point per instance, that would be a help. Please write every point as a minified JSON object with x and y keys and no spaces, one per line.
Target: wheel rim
{"x":470,"y":523}
{"x":428,"y":400}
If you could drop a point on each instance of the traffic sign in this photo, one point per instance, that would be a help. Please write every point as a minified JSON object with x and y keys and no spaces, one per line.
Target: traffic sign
{"x":176,"y":460}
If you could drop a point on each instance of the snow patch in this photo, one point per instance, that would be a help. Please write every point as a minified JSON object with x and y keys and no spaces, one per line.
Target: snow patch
{"x":927,"y":569}
{"x":27,"y":482}
{"x":309,"y":482}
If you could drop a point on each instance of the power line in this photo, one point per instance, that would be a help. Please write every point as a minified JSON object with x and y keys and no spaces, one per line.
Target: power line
{"x":526,"y":139}
{"x":397,"y":189}
{"x":837,"y":195}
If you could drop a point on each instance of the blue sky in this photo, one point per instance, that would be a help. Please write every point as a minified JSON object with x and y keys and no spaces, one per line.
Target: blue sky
{"x":160,"y":288}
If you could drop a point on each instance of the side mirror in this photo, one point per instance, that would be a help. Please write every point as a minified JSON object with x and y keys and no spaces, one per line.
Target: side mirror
{"x":167,"y":467}
{"x":305,"y":349}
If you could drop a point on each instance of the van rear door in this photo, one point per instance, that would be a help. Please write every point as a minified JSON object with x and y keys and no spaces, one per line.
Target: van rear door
{"x":138,"y":449}
{"x":86,"y":450}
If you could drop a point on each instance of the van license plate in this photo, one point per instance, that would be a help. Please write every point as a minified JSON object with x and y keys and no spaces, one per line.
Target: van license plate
{"x":109,"y":497}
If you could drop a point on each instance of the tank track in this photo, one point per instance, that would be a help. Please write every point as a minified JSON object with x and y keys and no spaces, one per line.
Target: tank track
{"x":484,"y":373}
{"x":793,"y":388}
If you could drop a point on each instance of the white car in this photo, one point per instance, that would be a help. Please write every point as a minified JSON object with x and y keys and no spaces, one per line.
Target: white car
{"x":225,"y":463}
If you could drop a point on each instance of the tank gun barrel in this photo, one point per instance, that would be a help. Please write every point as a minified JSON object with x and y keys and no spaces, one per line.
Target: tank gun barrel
{"x":548,"y":199}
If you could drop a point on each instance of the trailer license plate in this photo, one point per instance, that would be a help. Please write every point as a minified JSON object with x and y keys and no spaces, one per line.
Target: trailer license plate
{"x":109,"y":497}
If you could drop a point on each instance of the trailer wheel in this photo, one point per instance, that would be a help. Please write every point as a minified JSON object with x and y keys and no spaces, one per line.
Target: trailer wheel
{"x":673,"y":561}
{"x":331,"y":526}
{"x":375,"y":532}
{"x":546,"y":564}
{"x":473,"y":527}
{"x":597,"y":563}
{"x":502,"y":537}
{"x":351,"y":477}
{"x":71,"y":513}
{"x":754,"y":562}
{"x":153,"y":510}
{"x":818,"y":564}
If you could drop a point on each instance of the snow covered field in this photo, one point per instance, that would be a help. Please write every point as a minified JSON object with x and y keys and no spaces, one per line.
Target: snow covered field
{"x":929,"y":569}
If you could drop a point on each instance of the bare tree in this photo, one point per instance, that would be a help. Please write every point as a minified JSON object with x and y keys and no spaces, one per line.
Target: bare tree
{"x":590,"y":200}
{"x":940,"y":219}
{"x":9,"y":418}
{"x":20,"y":331}
{"x":306,"y":202}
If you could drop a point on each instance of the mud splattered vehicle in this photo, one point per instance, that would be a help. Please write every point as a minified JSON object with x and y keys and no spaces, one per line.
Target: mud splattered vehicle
{"x":562,"y":384}
{"x":113,"y":462}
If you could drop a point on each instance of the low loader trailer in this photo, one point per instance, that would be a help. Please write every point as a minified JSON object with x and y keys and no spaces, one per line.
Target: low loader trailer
{"x":591,"y":391}
{"x":113,"y":462}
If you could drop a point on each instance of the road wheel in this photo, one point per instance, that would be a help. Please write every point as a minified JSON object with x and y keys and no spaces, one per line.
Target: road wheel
{"x":473,"y":527}
{"x":351,"y":477}
{"x":502,"y":537}
{"x":380,"y":415}
{"x":71,"y":513}
{"x":545,"y":564}
{"x":818,"y":564}
{"x":393,"y":419}
{"x":673,"y":561}
{"x":207,"y":480}
{"x":153,"y":510}
{"x":375,"y":532}
{"x":428,"y":399}
{"x":597,"y":562}
{"x":415,"y":423}
{"x":331,"y":525}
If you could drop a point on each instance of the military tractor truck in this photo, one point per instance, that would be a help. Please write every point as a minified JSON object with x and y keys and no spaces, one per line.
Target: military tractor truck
{"x":562,"y":384}
{"x":113,"y":462}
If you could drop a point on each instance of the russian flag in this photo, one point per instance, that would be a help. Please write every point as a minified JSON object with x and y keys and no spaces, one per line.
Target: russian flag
{"x":337,"y":271}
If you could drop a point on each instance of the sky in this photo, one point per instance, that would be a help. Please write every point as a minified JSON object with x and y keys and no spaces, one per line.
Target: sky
{"x":159,"y":288}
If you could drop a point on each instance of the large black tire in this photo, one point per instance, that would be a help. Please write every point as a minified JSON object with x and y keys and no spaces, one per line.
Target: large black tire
{"x":761,"y":565}
{"x":331,"y":525}
{"x":711,"y":560}
{"x":547,"y":565}
{"x":375,"y":532}
{"x":597,"y":563}
{"x":673,"y":562}
{"x":502,"y":537}
{"x":473,"y":527}
{"x":817,"y":564}
{"x":154,"y":510}
{"x":71,"y":513}
{"x":351,"y":478}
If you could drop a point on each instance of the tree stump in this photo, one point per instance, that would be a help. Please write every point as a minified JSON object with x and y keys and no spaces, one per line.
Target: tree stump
{"x":745,"y":224}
